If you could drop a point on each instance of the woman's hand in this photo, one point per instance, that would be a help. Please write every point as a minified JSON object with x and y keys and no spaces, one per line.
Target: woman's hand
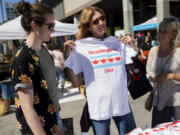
{"x":70,"y":43}
{"x":165,"y":78}
{"x":130,"y":41}
{"x":144,"y":57}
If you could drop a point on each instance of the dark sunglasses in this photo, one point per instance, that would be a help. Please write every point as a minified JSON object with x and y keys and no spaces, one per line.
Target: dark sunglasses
{"x":102,"y":18}
{"x":51,"y":26}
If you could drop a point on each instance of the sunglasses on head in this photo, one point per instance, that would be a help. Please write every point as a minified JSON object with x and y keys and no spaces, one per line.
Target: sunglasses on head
{"x":96,"y":22}
{"x":50,"y":25}
{"x":168,"y":20}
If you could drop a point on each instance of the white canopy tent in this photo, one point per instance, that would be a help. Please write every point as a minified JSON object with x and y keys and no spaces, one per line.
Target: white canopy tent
{"x":13,"y":29}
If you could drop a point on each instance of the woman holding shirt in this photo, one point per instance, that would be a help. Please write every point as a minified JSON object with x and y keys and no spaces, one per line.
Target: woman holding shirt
{"x":102,"y":60}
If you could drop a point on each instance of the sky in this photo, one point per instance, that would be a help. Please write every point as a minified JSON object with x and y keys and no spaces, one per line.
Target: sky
{"x":10,"y":1}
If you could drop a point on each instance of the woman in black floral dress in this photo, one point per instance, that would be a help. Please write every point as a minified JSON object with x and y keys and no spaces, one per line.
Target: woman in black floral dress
{"x":36,"y":108}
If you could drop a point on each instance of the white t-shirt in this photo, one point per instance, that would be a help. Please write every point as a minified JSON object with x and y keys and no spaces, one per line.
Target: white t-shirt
{"x":103,"y":65}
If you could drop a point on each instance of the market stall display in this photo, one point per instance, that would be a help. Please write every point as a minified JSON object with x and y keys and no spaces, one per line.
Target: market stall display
{"x":172,"y":128}
{"x":150,"y":24}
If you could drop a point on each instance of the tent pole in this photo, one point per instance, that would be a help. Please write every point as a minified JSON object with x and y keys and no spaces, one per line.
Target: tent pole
{"x":2,"y":11}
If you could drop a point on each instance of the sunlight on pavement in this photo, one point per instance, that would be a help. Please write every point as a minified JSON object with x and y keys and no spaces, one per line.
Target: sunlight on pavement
{"x":70,"y":94}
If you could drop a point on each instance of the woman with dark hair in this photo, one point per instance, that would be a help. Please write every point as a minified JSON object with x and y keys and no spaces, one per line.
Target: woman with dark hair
{"x":163,"y":68}
{"x":102,"y":60}
{"x":34,"y":74}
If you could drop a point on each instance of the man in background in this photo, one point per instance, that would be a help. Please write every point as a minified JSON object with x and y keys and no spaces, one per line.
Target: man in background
{"x":59,"y":64}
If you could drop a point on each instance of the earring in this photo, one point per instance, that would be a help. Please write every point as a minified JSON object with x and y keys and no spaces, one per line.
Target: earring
{"x":172,"y":41}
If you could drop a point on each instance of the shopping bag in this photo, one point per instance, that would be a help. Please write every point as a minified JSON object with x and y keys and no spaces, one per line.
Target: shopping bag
{"x":137,"y":82}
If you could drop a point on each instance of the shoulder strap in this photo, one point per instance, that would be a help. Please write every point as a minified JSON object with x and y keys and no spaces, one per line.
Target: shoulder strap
{"x":171,"y":53}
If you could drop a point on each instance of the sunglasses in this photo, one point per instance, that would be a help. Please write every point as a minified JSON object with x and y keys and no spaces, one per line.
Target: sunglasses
{"x":168,"y":20}
{"x":102,"y":18}
{"x":51,"y":26}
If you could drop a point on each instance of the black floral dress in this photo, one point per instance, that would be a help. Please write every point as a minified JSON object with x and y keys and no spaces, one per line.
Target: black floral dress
{"x":26,"y":72}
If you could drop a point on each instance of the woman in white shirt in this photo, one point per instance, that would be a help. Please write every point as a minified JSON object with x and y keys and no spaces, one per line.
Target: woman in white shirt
{"x":102,"y":60}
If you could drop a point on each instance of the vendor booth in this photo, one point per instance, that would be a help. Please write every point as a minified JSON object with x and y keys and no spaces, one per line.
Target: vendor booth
{"x":150,"y":24}
{"x":13,"y":29}
{"x":10,"y":32}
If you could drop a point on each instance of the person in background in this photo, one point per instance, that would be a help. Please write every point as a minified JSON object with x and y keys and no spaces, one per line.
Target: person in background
{"x":144,"y":47}
{"x":140,"y":38}
{"x":7,"y":89}
{"x":59,"y":64}
{"x":102,"y":60}
{"x":68,"y":48}
{"x":155,"y":42}
{"x":163,"y":69}
{"x":1,"y":48}
{"x":149,"y":37}
{"x":34,"y":74}
{"x":6,"y":86}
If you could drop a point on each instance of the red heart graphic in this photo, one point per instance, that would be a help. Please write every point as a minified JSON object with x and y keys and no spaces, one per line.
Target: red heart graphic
{"x":110,"y":59}
{"x":103,"y":61}
{"x":95,"y":61}
{"x":117,"y":58}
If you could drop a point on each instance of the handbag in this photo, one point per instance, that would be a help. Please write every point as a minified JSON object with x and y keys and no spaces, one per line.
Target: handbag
{"x":137,"y":82}
{"x":148,"y":102}
{"x":85,"y":121}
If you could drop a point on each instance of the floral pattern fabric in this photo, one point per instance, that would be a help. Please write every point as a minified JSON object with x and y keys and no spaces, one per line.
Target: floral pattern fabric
{"x":26,"y":72}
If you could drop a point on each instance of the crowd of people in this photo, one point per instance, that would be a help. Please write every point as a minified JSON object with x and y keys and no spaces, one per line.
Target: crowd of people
{"x":96,"y":60}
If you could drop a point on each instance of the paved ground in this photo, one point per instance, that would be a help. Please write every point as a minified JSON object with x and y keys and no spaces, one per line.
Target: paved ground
{"x":71,"y":104}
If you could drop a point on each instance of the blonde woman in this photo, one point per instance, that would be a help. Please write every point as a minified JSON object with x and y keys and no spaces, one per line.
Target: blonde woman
{"x":163,"y":68}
